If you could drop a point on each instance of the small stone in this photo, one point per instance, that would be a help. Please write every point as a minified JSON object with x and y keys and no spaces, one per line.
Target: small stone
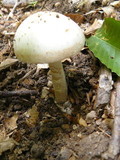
{"x":66,"y":107}
{"x":75,"y":127}
{"x":80,"y":135}
{"x":82,"y":122}
{"x":91,"y":115}
{"x":57,"y":4}
{"x":99,"y":121}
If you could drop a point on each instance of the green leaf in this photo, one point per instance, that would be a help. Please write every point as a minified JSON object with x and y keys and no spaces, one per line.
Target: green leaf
{"x":105,"y":44}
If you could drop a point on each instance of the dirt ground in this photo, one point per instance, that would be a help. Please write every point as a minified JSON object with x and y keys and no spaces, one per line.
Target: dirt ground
{"x":32,"y":127}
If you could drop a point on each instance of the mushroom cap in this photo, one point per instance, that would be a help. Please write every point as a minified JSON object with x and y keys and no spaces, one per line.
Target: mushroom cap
{"x":47,"y":37}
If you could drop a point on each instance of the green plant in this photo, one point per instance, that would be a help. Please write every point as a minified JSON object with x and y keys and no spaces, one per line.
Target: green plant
{"x":32,"y":4}
{"x":105,"y":44}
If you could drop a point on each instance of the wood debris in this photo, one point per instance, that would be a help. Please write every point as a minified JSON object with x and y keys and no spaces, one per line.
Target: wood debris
{"x":7,"y":63}
{"x":18,"y":93}
{"x":114,"y":146}
{"x":104,"y":88}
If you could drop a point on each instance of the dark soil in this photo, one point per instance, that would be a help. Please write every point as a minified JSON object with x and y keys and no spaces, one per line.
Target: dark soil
{"x":45,"y":133}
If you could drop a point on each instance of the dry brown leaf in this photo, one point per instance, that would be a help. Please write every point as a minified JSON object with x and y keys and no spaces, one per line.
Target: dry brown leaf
{"x":45,"y":92}
{"x":27,"y":81}
{"x":105,"y":2}
{"x":72,"y":158}
{"x":10,"y":123}
{"x":76,"y":17}
{"x":96,"y":24}
{"x":109,"y":122}
{"x":108,"y":11}
{"x":7,"y":144}
{"x":32,"y":116}
{"x":2,"y":134}
{"x":115,"y":4}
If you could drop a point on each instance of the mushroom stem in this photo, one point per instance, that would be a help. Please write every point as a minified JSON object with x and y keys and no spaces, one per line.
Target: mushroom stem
{"x":59,"y":82}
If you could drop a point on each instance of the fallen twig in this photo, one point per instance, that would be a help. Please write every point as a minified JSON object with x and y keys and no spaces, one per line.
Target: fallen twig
{"x":7,"y":63}
{"x":13,"y":9}
{"x":114,"y":146}
{"x":18,"y":93}
{"x":104,"y":88}
{"x":105,"y":133}
{"x":31,"y":72}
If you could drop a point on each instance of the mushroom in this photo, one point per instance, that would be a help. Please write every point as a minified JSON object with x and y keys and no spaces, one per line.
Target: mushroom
{"x":49,"y":37}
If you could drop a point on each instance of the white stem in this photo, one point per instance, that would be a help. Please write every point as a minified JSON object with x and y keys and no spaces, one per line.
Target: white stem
{"x":59,"y":82}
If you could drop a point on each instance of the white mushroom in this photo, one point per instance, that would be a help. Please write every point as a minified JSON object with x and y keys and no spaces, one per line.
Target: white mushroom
{"x":49,"y":37}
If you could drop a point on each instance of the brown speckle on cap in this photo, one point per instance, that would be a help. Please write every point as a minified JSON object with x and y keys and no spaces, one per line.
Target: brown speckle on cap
{"x":111,"y":57}
{"x":67,"y":30}
{"x":57,"y":16}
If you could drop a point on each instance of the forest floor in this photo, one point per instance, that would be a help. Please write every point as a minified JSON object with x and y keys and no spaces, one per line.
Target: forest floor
{"x":32,"y":127}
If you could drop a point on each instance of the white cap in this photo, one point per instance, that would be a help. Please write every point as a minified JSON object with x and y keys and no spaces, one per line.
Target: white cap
{"x":47,"y":37}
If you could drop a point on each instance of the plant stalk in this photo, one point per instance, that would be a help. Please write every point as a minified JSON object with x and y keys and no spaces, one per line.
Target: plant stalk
{"x":59,"y":82}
